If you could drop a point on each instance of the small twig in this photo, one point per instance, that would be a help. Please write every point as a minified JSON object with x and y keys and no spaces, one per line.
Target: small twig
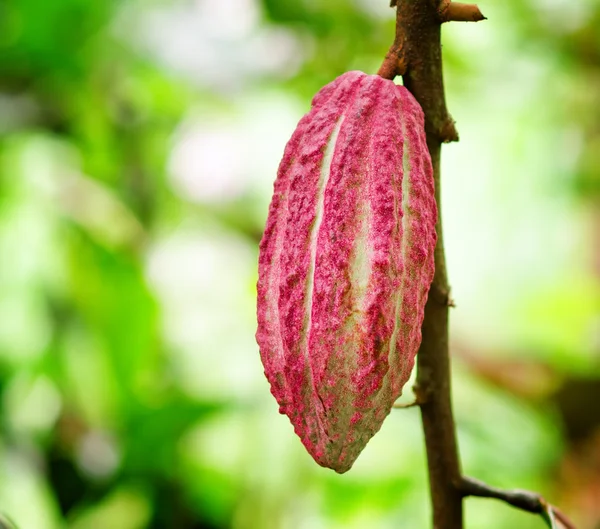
{"x":421,"y":397}
{"x":457,"y":12}
{"x":404,"y":406}
{"x":521,"y":499}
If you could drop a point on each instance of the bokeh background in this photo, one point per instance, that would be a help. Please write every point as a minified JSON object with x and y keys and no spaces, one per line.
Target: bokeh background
{"x":138,"y":145}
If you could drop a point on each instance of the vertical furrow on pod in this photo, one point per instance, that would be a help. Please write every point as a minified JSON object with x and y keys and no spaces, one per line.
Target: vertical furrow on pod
{"x":336,"y":338}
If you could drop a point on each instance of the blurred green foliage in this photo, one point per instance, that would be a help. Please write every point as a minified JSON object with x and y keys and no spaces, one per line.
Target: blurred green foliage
{"x":138,"y":145}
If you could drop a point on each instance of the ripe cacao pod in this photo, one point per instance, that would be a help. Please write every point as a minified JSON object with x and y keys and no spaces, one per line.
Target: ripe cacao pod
{"x":345,"y":264}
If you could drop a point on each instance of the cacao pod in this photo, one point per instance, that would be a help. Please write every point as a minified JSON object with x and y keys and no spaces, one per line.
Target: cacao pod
{"x":345,"y":264}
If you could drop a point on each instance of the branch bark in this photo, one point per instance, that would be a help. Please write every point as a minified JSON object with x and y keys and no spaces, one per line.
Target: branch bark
{"x":417,"y":48}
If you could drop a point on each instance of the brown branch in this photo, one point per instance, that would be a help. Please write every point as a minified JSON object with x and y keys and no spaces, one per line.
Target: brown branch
{"x":457,"y":12}
{"x":417,"y":44}
{"x":416,"y":54}
{"x":521,"y":499}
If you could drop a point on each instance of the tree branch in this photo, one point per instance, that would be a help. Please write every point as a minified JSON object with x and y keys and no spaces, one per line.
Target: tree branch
{"x":521,"y":499}
{"x":417,"y":55}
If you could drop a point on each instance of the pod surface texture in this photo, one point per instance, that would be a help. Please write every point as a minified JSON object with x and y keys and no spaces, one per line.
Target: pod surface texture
{"x":345,"y":264}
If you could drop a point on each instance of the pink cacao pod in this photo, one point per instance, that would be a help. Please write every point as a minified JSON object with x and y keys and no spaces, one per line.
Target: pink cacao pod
{"x":345,"y":264}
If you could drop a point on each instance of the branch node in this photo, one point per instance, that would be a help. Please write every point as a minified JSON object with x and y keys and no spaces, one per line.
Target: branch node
{"x":457,"y":12}
{"x":441,"y":296}
{"x":447,"y":132}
